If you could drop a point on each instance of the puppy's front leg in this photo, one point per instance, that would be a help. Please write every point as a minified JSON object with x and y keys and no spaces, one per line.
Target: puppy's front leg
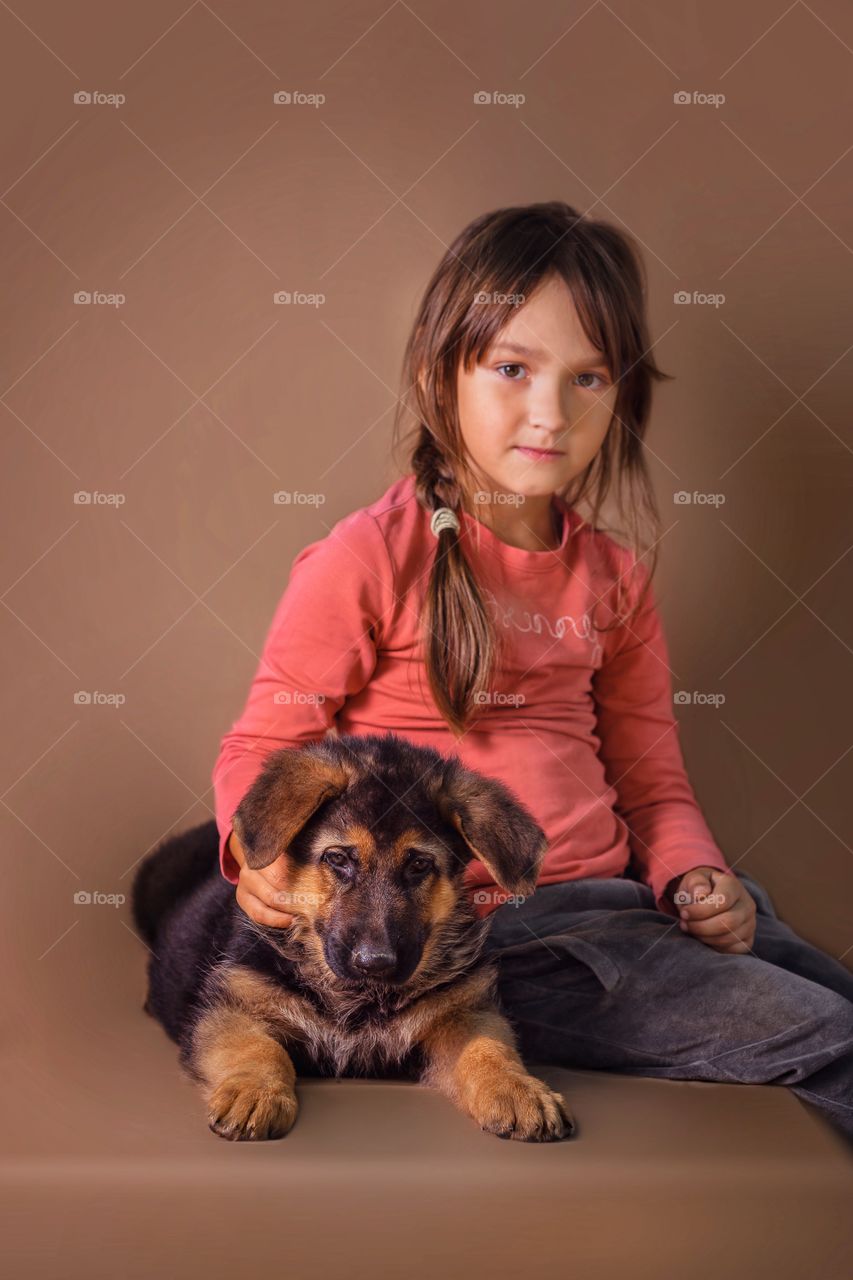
{"x":471,"y":1057}
{"x":247,"y":1077}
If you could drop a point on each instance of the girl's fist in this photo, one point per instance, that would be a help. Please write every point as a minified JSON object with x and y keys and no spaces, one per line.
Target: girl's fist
{"x":717,"y":908}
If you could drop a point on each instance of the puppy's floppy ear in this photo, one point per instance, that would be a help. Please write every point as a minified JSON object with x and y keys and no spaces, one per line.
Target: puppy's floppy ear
{"x":495,"y":826}
{"x":291,"y":786}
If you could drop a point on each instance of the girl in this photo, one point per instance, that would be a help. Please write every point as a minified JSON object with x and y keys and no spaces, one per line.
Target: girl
{"x":472,"y":608}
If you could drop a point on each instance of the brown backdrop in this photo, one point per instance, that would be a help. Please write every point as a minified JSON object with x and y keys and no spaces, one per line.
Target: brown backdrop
{"x":183,"y":397}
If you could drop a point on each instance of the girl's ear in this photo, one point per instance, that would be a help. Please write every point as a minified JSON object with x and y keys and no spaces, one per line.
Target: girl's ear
{"x":495,"y":826}
{"x":291,"y":786}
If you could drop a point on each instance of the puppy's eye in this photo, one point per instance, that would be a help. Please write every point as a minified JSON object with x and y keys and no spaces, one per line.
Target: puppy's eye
{"x":337,"y":857}
{"x":419,"y":865}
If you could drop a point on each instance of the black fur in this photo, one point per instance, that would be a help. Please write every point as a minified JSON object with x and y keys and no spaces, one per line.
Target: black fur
{"x":166,"y":876}
{"x":187,"y":913}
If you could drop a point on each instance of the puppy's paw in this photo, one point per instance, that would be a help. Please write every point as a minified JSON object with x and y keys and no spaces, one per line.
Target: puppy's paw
{"x":248,"y":1109}
{"x":521,"y":1107}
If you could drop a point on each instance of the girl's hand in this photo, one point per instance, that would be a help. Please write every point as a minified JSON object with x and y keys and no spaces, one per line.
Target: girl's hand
{"x":261,"y":893}
{"x":717,"y":908}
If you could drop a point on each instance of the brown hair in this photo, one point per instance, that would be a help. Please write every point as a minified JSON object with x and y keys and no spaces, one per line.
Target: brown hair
{"x":507,"y":254}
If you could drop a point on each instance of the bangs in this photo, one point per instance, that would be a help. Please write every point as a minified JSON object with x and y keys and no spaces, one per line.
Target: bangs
{"x":602,"y":313}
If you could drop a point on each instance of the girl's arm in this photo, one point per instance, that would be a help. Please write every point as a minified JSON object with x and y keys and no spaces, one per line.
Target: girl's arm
{"x":641,"y":751}
{"x":319,"y":650}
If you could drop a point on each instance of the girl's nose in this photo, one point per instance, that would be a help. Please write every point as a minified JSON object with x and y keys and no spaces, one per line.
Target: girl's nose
{"x":549,"y":415}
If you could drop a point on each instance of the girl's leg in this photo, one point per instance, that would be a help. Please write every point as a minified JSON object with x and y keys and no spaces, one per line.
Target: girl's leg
{"x":591,"y":978}
{"x":777,"y":942}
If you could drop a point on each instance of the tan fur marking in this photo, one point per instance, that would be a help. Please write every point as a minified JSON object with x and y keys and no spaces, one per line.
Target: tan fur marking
{"x":418,"y":1021}
{"x":404,"y":843}
{"x":254,"y":994}
{"x":442,"y":900}
{"x":440,"y":904}
{"x":306,"y":891}
{"x":248,"y":1077}
{"x":365,"y":843}
{"x":473,"y":1060}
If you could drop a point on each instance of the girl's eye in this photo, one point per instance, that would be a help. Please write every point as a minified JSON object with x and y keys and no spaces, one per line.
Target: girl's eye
{"x":597,"y":383}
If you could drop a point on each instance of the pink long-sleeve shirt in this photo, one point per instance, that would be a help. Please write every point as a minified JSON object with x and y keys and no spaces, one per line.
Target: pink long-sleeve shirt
{"x":578,"y":724}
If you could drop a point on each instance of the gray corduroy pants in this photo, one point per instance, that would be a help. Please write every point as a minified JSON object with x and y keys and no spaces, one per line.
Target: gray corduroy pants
{"x":593,"y":975}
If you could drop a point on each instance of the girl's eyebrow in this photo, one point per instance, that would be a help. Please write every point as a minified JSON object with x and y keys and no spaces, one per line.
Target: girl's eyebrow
{"x":595,"y":359}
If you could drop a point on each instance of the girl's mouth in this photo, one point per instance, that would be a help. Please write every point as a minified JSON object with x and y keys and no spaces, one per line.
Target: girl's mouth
{"x":539,"y":455}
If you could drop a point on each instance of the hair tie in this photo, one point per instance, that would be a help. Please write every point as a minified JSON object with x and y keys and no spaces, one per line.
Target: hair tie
{"x":444,"y":518}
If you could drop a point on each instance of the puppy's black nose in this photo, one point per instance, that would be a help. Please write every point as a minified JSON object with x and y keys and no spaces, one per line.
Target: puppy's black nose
{"x":373,"y":961}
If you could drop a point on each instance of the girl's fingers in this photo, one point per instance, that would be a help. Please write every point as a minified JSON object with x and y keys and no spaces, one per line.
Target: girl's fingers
{"x":271,"y":895}
{"x":258,"y":911}
{"x":736,"y":948}
{"x":728,"y":933}
{"x":726,"y":894}
{"x":258,"y":900}
{"x":723,"y":925}
{"x":732,"y":934}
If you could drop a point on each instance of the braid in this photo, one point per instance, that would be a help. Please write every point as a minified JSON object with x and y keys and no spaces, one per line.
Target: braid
{"x":435,"y":481}
{"x":459,"y":641}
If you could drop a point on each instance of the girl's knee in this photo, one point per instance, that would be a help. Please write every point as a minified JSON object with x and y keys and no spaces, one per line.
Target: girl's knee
{"x":809,"y":1026}
{"x":835,"y":1014}
{"x":772,"y":1001}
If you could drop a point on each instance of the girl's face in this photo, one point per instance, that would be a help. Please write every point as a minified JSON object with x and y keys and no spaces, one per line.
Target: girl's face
{"x":542,"y":385}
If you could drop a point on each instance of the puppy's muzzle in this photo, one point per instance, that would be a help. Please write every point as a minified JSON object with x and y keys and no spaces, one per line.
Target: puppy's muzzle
{"x":358,"y":956}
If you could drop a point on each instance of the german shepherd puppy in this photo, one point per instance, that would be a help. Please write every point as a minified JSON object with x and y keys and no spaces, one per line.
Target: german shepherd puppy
{"x":381,"y":971}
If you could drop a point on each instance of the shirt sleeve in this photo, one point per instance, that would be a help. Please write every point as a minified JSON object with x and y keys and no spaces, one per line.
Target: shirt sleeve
{"x":641,"y":750}
{"x":320,"y":649}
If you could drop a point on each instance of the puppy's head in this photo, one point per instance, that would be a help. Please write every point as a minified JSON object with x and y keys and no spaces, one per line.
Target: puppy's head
{"x":376,"y":834}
